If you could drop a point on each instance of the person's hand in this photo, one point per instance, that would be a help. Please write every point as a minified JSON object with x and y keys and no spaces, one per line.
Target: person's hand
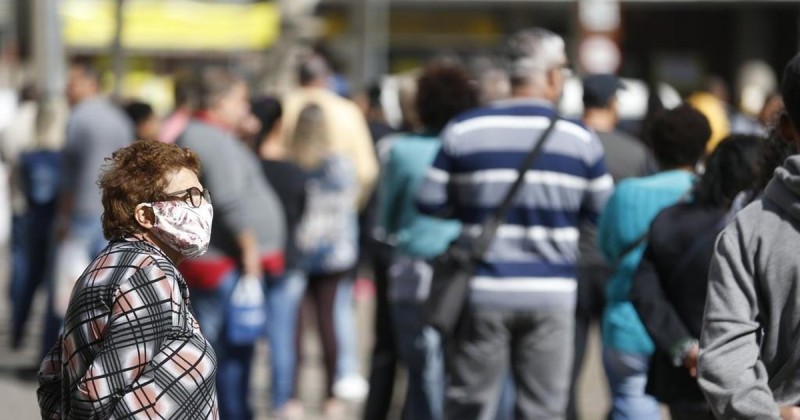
{"x":690,"y":360}
{"x":790,"y":413}
{"x":251,"y":264}
{"x":251,"y":258}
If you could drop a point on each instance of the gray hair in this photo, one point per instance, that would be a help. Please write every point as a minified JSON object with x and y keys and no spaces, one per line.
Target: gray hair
{"x":532,"y":52}
{"x":213,"y":83}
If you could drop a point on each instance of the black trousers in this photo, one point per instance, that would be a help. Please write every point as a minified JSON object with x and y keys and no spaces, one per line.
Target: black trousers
{"x":590,"y":302}
{"x":384,"y":353}
{"x":690,"y":411}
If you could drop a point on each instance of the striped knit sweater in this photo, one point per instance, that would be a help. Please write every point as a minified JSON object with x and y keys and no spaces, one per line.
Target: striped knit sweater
{"x":531,"y":262}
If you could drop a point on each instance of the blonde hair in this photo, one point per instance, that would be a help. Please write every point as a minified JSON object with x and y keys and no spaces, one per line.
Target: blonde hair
{"x":308,"y":143}
{"x":714,"y":110}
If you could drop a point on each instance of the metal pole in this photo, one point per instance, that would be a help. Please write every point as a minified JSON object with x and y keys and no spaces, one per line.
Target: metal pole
{"x":20,"y":26}
{"x":48,"y":49}
{"x":374,"y":23}
{"x":118,"y":51}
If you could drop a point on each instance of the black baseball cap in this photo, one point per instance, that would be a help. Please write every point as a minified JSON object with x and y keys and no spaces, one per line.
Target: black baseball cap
{"x":598,"y":89}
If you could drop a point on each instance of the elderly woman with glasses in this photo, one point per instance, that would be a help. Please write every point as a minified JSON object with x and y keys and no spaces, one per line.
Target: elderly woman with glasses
{"x":130,"y":345}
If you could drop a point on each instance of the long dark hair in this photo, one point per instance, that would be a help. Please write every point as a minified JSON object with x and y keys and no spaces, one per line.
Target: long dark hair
{"x":771,"y":154}
{"x":729,"y":170}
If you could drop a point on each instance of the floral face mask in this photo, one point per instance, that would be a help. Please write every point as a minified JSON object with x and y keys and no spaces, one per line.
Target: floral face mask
{"x":184,"y":228}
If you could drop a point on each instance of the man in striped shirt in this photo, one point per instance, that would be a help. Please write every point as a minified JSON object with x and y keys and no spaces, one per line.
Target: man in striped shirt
{"x":522,"y":299}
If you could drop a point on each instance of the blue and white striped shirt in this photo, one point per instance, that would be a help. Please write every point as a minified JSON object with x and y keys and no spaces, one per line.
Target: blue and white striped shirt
{"x":531,"y":262}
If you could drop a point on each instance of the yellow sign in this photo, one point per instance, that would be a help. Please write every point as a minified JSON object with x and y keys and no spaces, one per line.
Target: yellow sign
{"x":171,"y":24}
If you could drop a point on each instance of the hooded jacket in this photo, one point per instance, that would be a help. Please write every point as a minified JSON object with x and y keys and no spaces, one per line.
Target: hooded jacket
{"x":750,"y":345}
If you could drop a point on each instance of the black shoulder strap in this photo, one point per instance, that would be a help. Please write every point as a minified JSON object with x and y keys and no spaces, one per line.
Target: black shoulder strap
{"x":496,"y":218}
{"x":631,"y":246}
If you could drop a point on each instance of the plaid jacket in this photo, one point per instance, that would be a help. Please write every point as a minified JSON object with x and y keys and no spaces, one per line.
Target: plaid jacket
{"x":130,"y":347}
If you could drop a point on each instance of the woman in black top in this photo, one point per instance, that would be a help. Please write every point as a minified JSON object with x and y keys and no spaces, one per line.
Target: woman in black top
{"x":669,"y":288}
{"x":284,"y":294}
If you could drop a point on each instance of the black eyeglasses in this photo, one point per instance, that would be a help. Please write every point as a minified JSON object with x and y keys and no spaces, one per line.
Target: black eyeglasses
{"x":193,"y":196}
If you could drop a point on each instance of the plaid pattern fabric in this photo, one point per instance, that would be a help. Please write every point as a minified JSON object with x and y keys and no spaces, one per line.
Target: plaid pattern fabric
{"x":131,"y":347}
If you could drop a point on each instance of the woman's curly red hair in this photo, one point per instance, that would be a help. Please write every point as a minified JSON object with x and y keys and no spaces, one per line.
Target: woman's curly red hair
{"x":138,"y":174}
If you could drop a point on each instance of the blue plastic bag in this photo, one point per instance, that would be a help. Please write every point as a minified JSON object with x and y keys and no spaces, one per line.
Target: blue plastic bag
{"x":247,"y":311}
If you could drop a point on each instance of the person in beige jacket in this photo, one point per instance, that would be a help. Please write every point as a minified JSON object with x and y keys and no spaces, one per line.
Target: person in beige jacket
{"x":348,"y":131}
{"x":348,"y":134}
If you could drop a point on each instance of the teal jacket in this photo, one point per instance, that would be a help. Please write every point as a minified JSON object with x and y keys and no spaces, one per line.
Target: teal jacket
{"x":404,"y":167}
{"x":627,"y":216}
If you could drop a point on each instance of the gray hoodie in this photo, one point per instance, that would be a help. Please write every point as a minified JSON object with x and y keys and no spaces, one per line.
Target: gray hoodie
{"x":750,"y":346}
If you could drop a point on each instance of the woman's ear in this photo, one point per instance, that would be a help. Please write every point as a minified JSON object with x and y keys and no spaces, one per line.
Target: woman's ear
{"x":143,"y":213}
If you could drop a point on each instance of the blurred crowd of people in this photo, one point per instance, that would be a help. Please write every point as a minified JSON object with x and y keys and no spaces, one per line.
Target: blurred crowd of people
{"x":314,"y":189}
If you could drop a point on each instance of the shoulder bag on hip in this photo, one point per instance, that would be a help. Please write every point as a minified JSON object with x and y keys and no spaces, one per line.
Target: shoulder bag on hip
{"x":453,"y":269}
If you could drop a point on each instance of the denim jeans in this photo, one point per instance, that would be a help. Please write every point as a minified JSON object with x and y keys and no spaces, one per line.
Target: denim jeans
{"x":505,"y":406}
{"x":32,"y":240}
{"x":345,"y":327}
{"x":420,"y":349}
{"x":30,"y":247}
{"x":21,"y":279}
{"x":284,"y":295}
{"x":627,"y":378}
{"x":234,"y":362}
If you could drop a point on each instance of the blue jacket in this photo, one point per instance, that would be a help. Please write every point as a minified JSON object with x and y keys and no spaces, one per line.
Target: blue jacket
{"x":627,"y":216}
{"x":404,"y":167}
